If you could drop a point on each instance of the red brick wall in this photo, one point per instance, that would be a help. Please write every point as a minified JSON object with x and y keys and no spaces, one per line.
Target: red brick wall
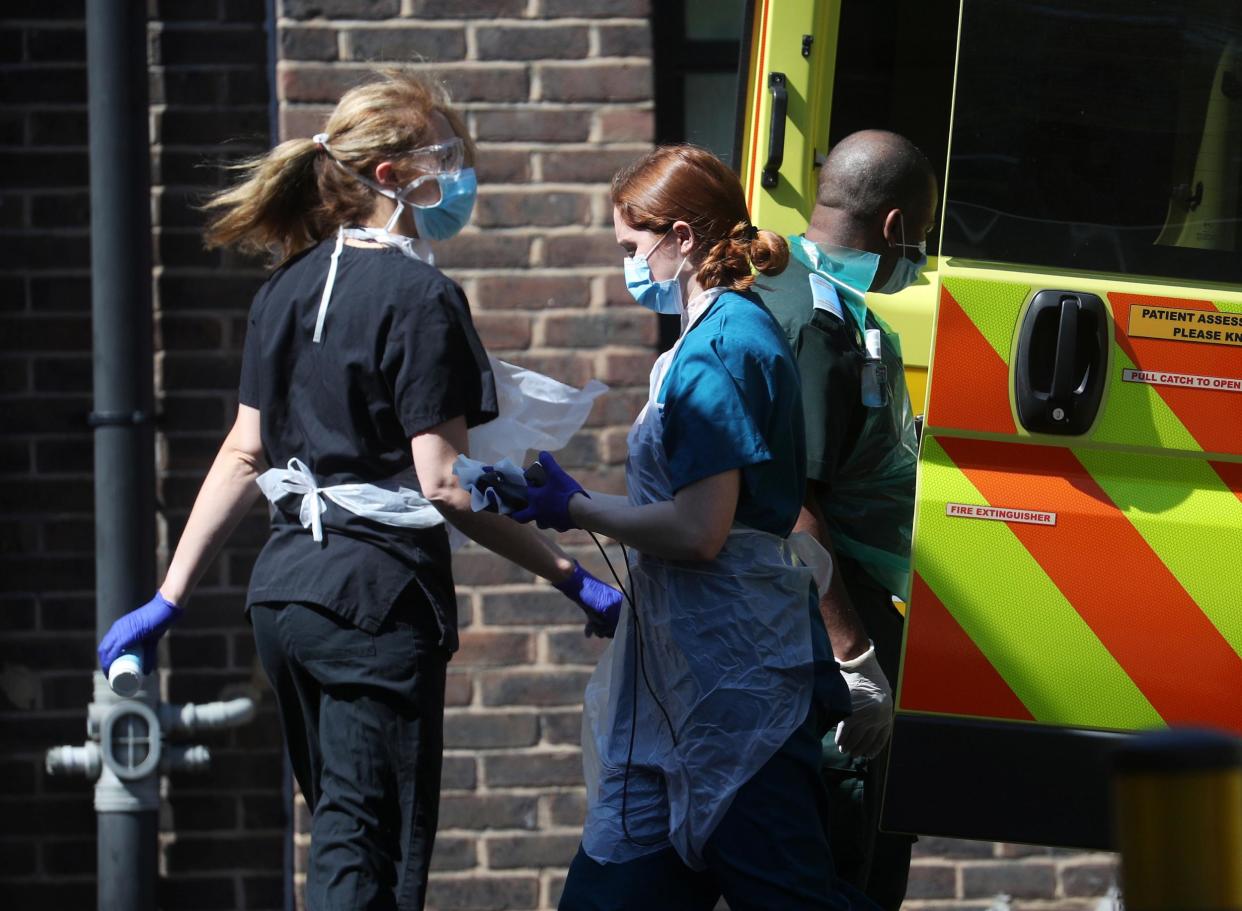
{"x":46,"y":535}
{"x":223,"y":833}
{"x":559,"y":94}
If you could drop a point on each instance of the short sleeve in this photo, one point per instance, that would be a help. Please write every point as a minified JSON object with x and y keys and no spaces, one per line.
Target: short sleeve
{"x":713,"y":411}
{"x":436,"y":366}
{"x":830,"y":369}
{"x":250,"y":385}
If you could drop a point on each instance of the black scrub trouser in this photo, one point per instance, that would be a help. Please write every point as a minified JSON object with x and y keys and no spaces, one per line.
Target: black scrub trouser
{"x":363,"y":717}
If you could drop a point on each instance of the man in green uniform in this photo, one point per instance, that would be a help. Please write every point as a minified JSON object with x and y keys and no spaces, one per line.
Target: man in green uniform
{"x":875,"y":206}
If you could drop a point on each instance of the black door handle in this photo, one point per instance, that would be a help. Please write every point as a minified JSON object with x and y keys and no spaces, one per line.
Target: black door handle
{"x":1061,"y":363}
{"x":1063,"y":379}
{"x":776,"y":130}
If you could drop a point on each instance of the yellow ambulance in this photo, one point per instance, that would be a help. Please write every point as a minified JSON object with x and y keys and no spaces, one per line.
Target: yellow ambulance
{"x":1077,"y":345}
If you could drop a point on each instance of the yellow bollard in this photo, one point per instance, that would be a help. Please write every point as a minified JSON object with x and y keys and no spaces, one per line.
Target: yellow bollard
{"x":1177,"y":815}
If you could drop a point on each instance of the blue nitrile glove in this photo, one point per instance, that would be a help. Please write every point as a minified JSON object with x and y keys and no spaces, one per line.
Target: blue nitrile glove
{"x":139,"y":629}
{"x":598,"y":600}
{"x":548,"y":503}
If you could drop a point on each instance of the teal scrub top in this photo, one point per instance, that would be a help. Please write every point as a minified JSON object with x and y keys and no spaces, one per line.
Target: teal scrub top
{"x":732,"y":399}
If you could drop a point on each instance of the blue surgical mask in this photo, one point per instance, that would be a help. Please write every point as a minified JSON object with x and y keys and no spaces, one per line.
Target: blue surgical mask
{"x":660,"y":296}
{"x":447,"y":217}
{"x":906,"y":271}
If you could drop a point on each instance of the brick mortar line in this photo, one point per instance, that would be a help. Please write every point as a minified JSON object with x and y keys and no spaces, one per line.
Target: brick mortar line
{"x":531,"y":22}
{"x":164,"y":26}
{"x":37,"y":65}
{"x":62,"y":107}
{"x":387,"y":25}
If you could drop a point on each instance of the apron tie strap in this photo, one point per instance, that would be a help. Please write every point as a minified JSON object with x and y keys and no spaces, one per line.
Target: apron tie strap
{"x":327,"y":288}
{"x":297,"y":479}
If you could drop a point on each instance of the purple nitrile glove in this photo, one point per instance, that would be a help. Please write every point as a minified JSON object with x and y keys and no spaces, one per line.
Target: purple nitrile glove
{"x":139,"y":628}
{"x":548,"y":503}
{"x":598,"y":600}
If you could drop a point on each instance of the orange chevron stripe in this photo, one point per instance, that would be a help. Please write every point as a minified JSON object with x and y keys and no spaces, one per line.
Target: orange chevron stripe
{"x":944,"y":671}
{"x":1231,"y":474}
{"x":1113,"y":578}
{"x":1202,"y":412}
{"x":970,"y":382}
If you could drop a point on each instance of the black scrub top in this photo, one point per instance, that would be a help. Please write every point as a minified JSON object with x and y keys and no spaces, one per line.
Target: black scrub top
{"x":398,"y":355}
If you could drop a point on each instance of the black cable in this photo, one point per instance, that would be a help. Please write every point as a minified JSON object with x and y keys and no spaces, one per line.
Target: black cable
{"x":640,"y":666}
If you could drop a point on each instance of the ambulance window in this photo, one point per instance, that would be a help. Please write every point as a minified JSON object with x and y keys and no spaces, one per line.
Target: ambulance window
{"x":713,"y":20}
{"x":709,"y":123}
{"x":1101,"y":135}
{"x":696,"y":47}
{"x":894,"y":71}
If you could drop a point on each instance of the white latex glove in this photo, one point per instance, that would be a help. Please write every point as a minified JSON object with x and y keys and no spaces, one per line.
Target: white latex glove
{"x":864,"y":733}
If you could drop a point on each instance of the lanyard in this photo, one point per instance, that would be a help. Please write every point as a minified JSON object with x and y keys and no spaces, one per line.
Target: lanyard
{"x":413,"y":247}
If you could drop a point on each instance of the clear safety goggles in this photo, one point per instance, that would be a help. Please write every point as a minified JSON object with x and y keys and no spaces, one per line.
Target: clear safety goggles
{"x":446,"y":157}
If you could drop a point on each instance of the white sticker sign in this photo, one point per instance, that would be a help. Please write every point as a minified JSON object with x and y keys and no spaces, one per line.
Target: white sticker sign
{"x":825,"y":297}
{"x":1185,"y":380}
{"x":1000,"y":514}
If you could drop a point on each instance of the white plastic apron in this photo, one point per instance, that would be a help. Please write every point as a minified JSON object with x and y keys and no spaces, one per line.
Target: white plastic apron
{"x":536,"y":412}
{"x":726,"y":646}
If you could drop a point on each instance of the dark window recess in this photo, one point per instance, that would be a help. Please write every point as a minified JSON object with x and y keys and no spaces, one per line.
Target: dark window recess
{"x":894,"y":71}
{"x":696,"y":47}
{"x":1102,"y":135}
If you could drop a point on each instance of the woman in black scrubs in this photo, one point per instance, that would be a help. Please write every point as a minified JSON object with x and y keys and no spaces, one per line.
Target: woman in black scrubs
{"x":360,"y":376}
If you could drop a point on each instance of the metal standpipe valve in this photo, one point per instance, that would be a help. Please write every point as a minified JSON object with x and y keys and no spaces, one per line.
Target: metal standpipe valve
{"x":129,"y":746}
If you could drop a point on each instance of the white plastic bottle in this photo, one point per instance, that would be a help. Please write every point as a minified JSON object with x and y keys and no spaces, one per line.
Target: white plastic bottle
{"x":874,"y":371}
{"x":125,"y":673}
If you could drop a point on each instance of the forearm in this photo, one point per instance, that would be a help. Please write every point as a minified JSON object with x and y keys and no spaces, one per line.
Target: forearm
{"x":845,"y":628}
{"x":228,"y":492}
{"x":656,"y":528}
{"x":519,"y":544}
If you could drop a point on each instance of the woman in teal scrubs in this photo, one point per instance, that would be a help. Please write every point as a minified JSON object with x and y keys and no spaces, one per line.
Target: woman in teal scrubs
{"x":702,"y":721}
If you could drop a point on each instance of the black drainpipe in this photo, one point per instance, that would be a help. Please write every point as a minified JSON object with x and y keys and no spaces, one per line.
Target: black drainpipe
{"x":123,"y":404}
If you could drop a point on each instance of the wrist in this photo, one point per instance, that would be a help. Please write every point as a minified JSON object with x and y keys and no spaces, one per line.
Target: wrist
{"x":854,"y":661}
{"x":565,"y":569}
{"x":173,"y":594}
{"x":572,"y":582}
{"x":578,"y":508}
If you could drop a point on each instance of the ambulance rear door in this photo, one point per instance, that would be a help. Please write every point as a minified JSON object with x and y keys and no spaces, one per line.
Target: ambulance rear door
{"x":818,"y":70}
{"x":1076,"y":561}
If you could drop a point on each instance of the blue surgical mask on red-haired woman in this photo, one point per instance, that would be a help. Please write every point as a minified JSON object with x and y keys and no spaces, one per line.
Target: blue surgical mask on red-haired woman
{"x":660,"y":296}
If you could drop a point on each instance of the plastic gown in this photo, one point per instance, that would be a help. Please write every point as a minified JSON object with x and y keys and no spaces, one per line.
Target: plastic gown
{"x":871,"y":511}
{"x":725,"y":646}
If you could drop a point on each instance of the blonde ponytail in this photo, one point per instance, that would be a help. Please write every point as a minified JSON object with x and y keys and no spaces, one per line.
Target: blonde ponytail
{"x":273,"y":206}
{"x":295,"y":196}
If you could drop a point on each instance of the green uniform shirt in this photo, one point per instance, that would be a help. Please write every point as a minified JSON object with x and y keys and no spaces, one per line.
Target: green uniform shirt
{"x":830,"y":358}
{"x":863,"y":458}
